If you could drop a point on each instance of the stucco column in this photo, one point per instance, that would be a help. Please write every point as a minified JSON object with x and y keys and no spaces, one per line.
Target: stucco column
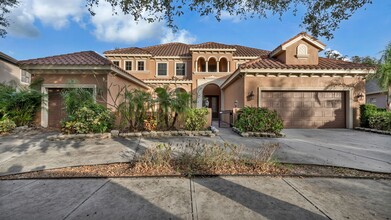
{"x":228,"y":66}
{"x":206,"y":66}
{"x":218,"y":66}
{"x":196,"y":66}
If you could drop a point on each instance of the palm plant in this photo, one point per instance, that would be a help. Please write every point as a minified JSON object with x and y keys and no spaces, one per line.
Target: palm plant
{"x":164,"y":101}
{"x":179,"y":105}
{"x":384,"y":70}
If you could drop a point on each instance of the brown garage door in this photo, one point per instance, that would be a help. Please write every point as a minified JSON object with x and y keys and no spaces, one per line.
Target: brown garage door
{"x":56,"y":110}
{"x":307,"y":109}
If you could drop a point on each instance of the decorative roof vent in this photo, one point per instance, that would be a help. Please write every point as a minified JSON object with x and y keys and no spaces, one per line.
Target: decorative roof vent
{"x":302,"y":51}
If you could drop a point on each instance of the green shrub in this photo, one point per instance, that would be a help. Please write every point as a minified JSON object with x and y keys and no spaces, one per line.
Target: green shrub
{"x":380,"y":121}
{"x":7,"y":125}
{"x":252,"y":119}
{"x":76,"y":98}
{"x":19,"y":106}
{"x":366,"y":110}
{"x":92,"y":118}
{"x":196,"y":119}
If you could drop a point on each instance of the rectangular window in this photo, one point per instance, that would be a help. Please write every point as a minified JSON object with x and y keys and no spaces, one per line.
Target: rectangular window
{"x":140,"y":65}
{"x":116,"y":63}
{"x":180,"y":69}
{"x":25,"y":77}
{"x":128,"y":65}
{"x":162,"y":69}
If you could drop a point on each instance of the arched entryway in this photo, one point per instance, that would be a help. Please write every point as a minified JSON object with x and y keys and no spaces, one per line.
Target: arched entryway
{"x":212,"y":98}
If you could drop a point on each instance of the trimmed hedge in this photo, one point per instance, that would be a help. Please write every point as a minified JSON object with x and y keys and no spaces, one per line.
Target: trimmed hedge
{"x":380,"y":121}
{"x":196,"y":119}
{"x":252,"y":119}
{"x":366,"y":111}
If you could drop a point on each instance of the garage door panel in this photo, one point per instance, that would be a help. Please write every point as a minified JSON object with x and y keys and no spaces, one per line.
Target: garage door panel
{"x":307,"y":109}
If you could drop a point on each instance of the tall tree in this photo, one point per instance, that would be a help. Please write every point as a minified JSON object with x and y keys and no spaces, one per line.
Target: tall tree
{"x":365,"y":60}
{"x":333,"y":54}
{"x":383,"y":72}
{"x":5,"y":6}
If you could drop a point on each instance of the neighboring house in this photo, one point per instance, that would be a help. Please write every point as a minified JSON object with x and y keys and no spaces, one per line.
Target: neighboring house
{"x":10,"y":73}
{"x":375,"y":95}
{"x":307,"y":91}
{"x":85,"y":69}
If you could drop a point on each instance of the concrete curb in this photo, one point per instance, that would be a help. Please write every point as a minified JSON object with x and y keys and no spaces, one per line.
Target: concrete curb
{"x":257,"y":134}
{"x":373,"y":130}
{"x":78,"y":136}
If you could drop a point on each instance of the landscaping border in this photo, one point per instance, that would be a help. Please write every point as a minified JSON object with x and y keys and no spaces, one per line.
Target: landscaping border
{"x":373,"y":130}
{"x":148,"y":134}
{"x":257,"y":134}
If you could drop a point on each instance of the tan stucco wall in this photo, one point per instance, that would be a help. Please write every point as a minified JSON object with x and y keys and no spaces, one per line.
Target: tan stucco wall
{"x":289,"y":56}
{"x":9,"y":72}
{"x":381,"y":99}
{"x":252,"y":83}
{"x":234,"y":92}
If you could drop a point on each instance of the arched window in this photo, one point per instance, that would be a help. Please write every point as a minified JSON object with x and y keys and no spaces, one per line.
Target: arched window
{"x":223,"y":65}
{"x":212,"y":65}
{"x":302,"y":51}
{"x":201,"y":65}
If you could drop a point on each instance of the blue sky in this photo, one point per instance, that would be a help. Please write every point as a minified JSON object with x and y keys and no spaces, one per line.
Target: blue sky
{"x":46,"y":27}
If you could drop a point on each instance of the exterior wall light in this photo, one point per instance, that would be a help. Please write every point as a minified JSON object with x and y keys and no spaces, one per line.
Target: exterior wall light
{"x":236,"y":103}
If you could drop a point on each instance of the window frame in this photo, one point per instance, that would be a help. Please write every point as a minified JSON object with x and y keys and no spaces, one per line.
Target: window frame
{"x":119,"y":62}
{"x":137,"y":65}
{"x":185,"y":69}
{"x":157,"y":69}
{"x":21,"y":77}
{"x":131,"y":65}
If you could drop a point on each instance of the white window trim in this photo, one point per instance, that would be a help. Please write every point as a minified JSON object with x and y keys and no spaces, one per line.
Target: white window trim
{"x":21,"y":76}
{"x":185,"y":69}
{"x":119,"y":62}
{"x":131,"y":65}
{"x":157,"y":70}
{"x":45,"y":99}
{"x":145,"y":67}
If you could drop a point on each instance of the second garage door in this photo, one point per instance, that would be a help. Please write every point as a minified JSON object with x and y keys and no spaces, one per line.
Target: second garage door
{"x":307,"y":109}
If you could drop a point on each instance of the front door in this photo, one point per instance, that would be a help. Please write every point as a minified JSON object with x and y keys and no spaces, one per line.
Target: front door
{"x":214,"y":105}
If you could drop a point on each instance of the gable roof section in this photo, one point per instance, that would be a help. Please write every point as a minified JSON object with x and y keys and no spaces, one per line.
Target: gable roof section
{"x":83,"y":58}
{"x":372,"y":87}
{"x":301,"y":36}
{"x":7,"y":58}
{"x":78,"y":59}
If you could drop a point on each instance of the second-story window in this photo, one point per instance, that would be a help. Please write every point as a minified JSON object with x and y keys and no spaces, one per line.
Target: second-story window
{"x":116,"y":63}
{"x":180,"y":69}
{"x":128,"y":65}
{"x":162,"y":69}
{"x":141,"y":65}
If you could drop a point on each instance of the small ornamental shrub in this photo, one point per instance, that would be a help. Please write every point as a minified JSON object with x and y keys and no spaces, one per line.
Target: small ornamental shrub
{"x":92,"y":118}
{"x":19,"y":106}
{"x":252,"y":119}
{"x":366,"y":111}
{"x":380,"y":121}
{"x":196,"y":119}
{"x":7,"y":125}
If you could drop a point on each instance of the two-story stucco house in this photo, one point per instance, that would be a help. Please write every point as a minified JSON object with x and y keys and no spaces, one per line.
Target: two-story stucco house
{"x":11,"y":74}
{"x":307,"y":90}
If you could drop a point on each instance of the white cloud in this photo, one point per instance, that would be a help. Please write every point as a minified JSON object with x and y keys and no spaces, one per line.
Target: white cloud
{"x":182,"y":36}
{"x":105,"y":25}
{"x":226,"y":16}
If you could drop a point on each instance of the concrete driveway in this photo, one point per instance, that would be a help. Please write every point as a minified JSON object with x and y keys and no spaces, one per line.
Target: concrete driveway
{"x":336,"y":147}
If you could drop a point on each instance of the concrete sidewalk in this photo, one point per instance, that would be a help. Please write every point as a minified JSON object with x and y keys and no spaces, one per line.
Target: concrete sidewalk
{"x":198,"y":198}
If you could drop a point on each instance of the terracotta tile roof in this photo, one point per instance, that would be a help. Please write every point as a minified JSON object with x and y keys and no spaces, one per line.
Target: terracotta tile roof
{"x":169,"y":49}
{"x":82,"y":58}
{"x":212,"y":45}
{"x":130,"y":50}
{"x":7,"y":58}
{"x":180,"y":49}
{"x":242,"y":51}
{"x":324,"y":63}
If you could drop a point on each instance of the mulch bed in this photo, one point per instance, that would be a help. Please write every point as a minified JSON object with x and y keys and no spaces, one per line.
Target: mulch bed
{"x":138,"y":170}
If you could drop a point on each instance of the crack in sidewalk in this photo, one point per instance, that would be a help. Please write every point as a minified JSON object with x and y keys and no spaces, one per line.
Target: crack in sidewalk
{"x":86,"y":199}
{"x":307,"y":199}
